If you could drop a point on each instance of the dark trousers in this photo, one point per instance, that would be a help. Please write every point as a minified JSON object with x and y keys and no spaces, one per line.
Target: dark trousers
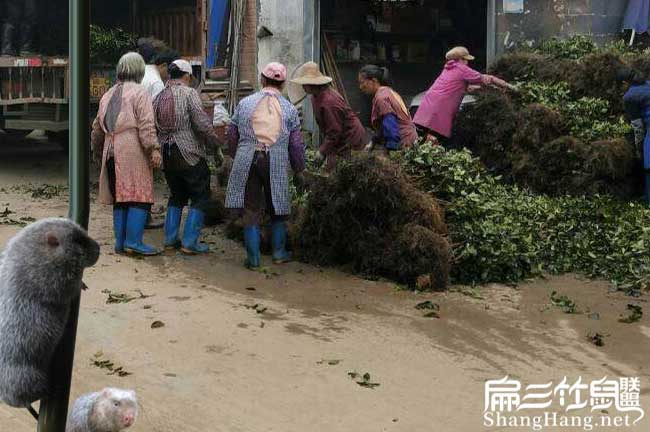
{"x":186,"y":182}
{"x":258,"y":198}
{"x":19,"y":11}
{"x":20,"y":26}
{"x":112,"y":179}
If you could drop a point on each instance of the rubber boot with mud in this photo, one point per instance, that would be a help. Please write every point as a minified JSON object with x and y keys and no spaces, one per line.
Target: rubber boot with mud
{"x":172,"y":226}
{"x":279,"y":242}
{"x":192,"y":233}
{"x":135,"y":220}
{"x":119,"y":228}
{"x":252,"y":242}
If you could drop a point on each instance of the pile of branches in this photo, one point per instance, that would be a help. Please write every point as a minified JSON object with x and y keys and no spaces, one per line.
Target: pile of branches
{"x":370,"y":218}
{"x":565,"y":131}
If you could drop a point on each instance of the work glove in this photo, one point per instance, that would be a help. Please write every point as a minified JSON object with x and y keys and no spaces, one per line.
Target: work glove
{"x":639,"y":136}
{"x":513,"y":88}
{"x":218,"y":157}
{"x":319,"y":159}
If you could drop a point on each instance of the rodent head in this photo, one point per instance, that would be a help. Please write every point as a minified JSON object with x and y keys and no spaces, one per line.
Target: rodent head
{"x":59,"y":241}
{"x":48,"y":248}
{"x":115,"y":410}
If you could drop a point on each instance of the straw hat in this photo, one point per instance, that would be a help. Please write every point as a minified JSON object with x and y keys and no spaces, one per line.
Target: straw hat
{"x":310,"y":74}
{"x":306,"y":74}
{"x":459,"y":53}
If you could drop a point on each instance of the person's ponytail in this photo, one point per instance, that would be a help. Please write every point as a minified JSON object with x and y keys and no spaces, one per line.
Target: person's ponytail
{"x":381,"y":74}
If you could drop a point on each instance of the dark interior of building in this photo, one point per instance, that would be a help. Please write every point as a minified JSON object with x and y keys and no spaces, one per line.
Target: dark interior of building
{"x":173,"y":21}
{"x":410,"y":37}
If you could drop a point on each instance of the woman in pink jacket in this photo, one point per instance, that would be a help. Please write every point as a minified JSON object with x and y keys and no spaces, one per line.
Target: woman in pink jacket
{"x":436,"y":114}
{"x":125,"y":143}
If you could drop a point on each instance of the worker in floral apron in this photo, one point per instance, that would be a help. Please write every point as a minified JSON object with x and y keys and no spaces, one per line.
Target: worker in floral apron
{"x":124,"y":141}
{"x":265,"y":141}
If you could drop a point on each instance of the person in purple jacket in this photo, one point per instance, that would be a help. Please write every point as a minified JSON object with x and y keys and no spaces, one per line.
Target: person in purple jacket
{"x":435,"y":116}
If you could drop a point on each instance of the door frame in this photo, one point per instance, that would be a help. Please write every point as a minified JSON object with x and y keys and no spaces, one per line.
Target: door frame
{"x":311,"y":50}
{"x":311,"y":22}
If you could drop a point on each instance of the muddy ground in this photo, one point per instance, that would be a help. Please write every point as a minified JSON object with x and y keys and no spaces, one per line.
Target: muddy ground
{"x":271,"y":351}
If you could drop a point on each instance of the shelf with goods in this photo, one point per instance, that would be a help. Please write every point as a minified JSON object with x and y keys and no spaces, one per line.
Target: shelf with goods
{"x":347,"y":48}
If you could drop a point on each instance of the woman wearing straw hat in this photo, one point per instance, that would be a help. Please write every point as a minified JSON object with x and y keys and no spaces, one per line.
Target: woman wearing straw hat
{"x":437,"y":113}
{"x":341,"y":127}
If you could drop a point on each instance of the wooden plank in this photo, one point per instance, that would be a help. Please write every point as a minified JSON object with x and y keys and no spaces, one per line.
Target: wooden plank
{"x":185,"y":39}
{"x":36,"y":124}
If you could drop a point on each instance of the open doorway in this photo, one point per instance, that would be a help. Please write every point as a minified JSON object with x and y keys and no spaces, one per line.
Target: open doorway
{"x":410,"y":37}
{"x":172,"y":21}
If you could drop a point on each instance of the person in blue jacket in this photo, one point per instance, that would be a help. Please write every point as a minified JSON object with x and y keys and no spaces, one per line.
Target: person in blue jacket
{"x":637,"y":109}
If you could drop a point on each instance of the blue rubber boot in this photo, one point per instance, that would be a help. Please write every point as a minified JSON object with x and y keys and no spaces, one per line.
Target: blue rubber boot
{"x":279,"y":242}
{"x":172,"y":225}
{"x":252,"y":242}
{"x":192,"y":232}
{"x":119,"y":227}
{"x":135,"y":220}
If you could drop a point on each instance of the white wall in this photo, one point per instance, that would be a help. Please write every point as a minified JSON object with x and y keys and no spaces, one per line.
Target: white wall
{"x":284,"y":18}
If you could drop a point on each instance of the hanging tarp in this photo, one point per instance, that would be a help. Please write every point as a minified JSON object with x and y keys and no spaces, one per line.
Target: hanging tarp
{"x":637,"y":16}
{"x":218,"y":14}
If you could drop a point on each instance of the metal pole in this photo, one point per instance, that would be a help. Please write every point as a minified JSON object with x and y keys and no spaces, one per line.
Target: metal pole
{"x":491,"y":48}
{"x":54,"y":411}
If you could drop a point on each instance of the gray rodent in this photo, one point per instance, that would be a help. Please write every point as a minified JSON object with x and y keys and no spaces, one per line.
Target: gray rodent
{"x":110,"y":410}
{"x":40,"y":274}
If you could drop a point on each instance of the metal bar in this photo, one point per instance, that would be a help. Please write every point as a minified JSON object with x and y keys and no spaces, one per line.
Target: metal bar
{"x":492,"y":29}
{"x":43,"y":82}
{"x":54,"y":410}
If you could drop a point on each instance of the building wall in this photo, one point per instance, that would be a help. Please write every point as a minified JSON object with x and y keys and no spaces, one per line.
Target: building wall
{"x":284,"y":18}
{"x":542,"y":19}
